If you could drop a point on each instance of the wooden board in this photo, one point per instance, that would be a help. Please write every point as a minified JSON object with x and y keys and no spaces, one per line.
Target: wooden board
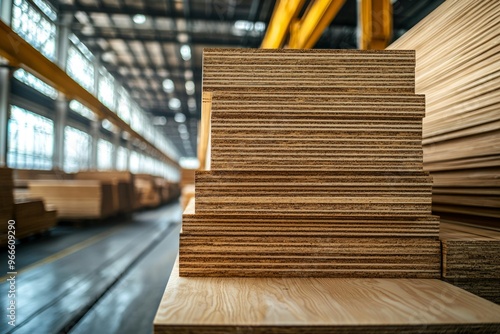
{"x":320,"y":305}
{"x":457,"y":69}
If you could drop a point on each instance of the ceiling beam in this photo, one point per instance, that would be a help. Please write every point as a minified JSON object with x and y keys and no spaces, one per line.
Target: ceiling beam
{"x":375,"y":21}
{"x":164,"y":37}
{"x":318,"y":16}
{"x":277,"y":30}
{"x":125,"y":10}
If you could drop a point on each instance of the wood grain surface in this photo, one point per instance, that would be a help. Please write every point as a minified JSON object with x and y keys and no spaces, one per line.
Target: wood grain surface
{"x":320,"y":305}
{"x":457,"y":54}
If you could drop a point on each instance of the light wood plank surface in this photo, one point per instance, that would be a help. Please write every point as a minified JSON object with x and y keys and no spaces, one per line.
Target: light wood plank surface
{"x":308,"y":303}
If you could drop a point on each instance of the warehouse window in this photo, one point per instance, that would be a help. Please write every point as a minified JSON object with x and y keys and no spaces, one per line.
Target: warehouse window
{"x":35,"y":83}
{"x":31,"y":139}
{"x":104,"y":155}
{"x":124,"y":106}
{"x":121,"y":161}
{"x":76,"y":150}
{"x":36,"y":26}
{"x":82,"y":110}
{"x":106,"y":92}
{"x":80,"y":68}
{"x":134,"y":162}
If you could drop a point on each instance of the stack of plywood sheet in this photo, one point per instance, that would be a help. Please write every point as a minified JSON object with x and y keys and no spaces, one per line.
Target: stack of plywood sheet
{"x":457,"y":69}
{"x":471,"y":259}
{"x":6,"y":201}
{"x":125,"y":186}
{"x":147,"y":193}
{"x":76,"y":199}
{"x":316,"y":168}
{"x":32,"y":217}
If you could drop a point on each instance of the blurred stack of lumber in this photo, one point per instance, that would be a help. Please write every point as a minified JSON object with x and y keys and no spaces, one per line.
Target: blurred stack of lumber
{"x":147,"y":191}
{"x":316,"y":168}
{"x":125,"y":186}
{"x":77,"y":199}
{"x":6,"y":201}
{"x":471,"y":259}
{"x":457,"y":69}
{"x":32,"y":217}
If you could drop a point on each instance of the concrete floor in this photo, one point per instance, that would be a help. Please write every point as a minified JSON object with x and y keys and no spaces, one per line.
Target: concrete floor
{"x":105,"y":277}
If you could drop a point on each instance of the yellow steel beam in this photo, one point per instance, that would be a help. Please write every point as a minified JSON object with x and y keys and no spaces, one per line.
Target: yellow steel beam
{"x":15,"y":49}
{"x":375,"y":19}
{"x":306,"y":32}
{"x":284,"y":12}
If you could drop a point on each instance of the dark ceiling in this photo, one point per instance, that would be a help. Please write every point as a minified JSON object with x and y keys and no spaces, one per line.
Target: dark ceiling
{"x":142,"y":55}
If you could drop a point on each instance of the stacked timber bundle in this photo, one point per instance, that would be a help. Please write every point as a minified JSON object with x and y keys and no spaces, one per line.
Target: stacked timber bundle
{"x":76,"y":199}
{"x":316,"y":168}
{"x":147,"y":192}
{"x":457,"y":69}
{"x":125,"y":186}
{"x":470,"y":259}
{"x":6,"y":201}
{"x":32,"y":217}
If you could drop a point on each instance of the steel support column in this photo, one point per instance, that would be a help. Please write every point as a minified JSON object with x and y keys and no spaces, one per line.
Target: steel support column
{"x":5,"y":76}
{"x":116,"y":144}
{"x":62,"y":106}
{"x":95,"y":134}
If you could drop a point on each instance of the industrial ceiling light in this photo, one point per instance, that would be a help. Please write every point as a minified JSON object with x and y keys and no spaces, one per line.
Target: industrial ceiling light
{"x":184,"y":136}
{"x":192,"y":104}
{"x":189,"y":87}
{"x":182,"y":128}
{"x":188,"y":75}
{"x":182,"y":37}
{"x":180,"y":117}
{"x":185,"y":52}
{"x":139,"y":19}
{"x":174,"y":103}
{"x":168,"y":85}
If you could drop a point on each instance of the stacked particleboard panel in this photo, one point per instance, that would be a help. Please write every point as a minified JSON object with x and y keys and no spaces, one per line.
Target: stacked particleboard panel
{"x":32,"y":217}
{"x":471,"y":259}
{"x":316,"y":168}
{"x":200,"y":305}
{"x":125,"y":186}
{"x":458,"y":58}
{"x":147,"y":192}
{"x":6,"y":201}
{"x":76,"y":199}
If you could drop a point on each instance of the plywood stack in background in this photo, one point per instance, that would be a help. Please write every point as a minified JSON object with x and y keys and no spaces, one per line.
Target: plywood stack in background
{"x":458,"y":58}
{"x":6,"y":201}
{"x":147,"y":192}
{"x":125,"y":186}
{"x":471,"y":259}
{"x":76,"y":199}
{"x":32,"y":217}
{"x":316,"y":168}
